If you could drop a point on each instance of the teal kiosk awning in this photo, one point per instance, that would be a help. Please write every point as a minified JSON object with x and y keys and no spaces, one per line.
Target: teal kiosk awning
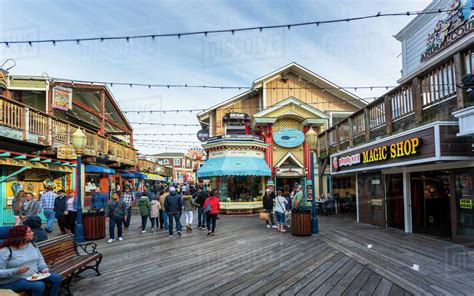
{"x":234,"y":166}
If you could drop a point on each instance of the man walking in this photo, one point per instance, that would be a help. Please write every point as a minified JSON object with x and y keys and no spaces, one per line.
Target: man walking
{"x":99,"y":201}
{"x":129,"y":200}
{"x":173,"y":206}
{"x":199,"y":200}
{"x":60,"y":209}
{"x":47,"y":204}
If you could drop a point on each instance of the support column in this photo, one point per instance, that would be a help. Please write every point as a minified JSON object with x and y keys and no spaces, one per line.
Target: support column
{"x":407,"y":202}
{"x":306,"y":155}
{"x":459,"y":71}
{"x":268,"y":134}
{"x":102,"y":113}
{"x":417,"y":100}
{"x":357,"y":197}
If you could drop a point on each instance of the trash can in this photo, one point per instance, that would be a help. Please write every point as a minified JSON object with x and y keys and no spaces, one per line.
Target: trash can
{"x":94,"y":225}
{"x":301,"y":222}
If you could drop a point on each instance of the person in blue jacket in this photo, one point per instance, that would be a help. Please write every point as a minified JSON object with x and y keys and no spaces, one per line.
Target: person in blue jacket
{"x":99,"y":201}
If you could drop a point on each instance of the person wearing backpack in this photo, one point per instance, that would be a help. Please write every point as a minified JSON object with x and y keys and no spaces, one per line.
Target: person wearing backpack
{"x":200,"y":198}
{"x":20,"y":259}
{"x":280,"y":210}
{"x":144,"y":205}
{"x":211,"y":208}
{"x":117,"y":212}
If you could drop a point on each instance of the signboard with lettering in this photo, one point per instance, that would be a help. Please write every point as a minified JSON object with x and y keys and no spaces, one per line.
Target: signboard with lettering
{"x":203,"y":135}
{"x":62,"y":98}
{"x":457,"y":24}
{"x":235,"y":116}
{"x":379,"y":153}
{"x":66,"y":152}
{"x":236,"y":153}
{"x":465,"y":203}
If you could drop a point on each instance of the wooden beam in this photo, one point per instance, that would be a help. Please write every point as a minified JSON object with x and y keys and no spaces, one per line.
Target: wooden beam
{"x":367,"y":124}
{"x":102,"y":115}
{"x":417,"y":100}
{"x":350,"y":124}
{"x":459,"y":71}
{"x":97,"y":114}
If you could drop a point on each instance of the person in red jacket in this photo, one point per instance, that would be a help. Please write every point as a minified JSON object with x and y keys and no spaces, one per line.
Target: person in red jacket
{"x":213,"y":201}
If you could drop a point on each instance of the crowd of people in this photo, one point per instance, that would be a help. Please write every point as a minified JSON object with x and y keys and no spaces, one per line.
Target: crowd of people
{"x":163,"y":207}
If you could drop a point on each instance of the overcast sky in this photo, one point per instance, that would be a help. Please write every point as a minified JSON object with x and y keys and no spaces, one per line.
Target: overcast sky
{"x":359,"y":53}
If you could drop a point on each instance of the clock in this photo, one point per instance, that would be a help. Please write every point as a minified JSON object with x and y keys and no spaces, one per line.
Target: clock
{"x":288,"y":137}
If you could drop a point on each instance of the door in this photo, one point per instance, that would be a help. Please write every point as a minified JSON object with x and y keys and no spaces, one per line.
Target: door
{"x":395,"y":201}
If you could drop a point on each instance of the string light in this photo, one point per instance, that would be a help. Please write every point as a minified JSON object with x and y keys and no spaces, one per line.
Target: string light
{"x":220,"y":31}
{"x":165,"y":141}
{"x":157,"y":134}
{"x":164,"y":124}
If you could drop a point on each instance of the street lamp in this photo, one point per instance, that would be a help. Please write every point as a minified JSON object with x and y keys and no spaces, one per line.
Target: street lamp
{"x":311,"y":138}
{"x":78,"y":139}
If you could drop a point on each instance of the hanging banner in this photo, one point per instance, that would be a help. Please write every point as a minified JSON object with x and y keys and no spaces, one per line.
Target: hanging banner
{"x":62,"y":98}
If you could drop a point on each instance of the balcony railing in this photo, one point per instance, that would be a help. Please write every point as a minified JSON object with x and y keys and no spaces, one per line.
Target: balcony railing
{"x":424,"y":99}
{"x":24,"y":123}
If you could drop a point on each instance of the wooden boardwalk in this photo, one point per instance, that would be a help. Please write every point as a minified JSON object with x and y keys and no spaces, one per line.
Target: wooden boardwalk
{"x":245,"y":258}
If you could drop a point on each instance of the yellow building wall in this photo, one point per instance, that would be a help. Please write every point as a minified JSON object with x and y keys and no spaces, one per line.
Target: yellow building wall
{"x":278,"y":90}
{"x":248,"y":106}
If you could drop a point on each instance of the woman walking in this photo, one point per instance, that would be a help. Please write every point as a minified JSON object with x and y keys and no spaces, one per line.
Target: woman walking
{"x":117,"y":211}
{"x":71,"y":211}
{"x":188,"y":204}
{"x":155,"y":208}
{"x":16,"y":206}
{"x":215,"y":205}
{"x":280,"y":210}
{"x":144,"y":205}
{"x":268,"y":207}
{"x":20,"y":259}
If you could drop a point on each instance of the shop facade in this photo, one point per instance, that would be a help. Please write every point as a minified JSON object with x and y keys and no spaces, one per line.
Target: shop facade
{"x":418,"y":181}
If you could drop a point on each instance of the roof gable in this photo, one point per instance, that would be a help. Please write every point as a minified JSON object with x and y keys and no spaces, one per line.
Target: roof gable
{"x":291,"y":106}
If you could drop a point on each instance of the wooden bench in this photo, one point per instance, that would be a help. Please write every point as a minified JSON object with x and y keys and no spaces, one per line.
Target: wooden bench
{"x":62,"y":256}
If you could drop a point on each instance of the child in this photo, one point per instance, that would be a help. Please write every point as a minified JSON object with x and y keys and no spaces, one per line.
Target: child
{"x":155,"y":208}
{"x":188,"y":204}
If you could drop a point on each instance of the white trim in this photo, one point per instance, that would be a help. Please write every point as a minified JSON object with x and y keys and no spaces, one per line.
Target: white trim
{"x":439,"y":102}
{"x":454,"y":164}
{"x":288,"y":101}
{"x":228,"y":101}
{"x":416,"y":23}
{"x":289,"y":155}
{"x":414,"y":130}
{"x":28,"y":88}
{"x":264,"y":98}
{"x":437,"y":138}
{"x":407,"y":215}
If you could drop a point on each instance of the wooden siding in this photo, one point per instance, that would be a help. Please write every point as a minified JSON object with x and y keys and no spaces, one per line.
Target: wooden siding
{"x":451,"y":145}
{"x":278,"y":90}
{"x":248,"y":105}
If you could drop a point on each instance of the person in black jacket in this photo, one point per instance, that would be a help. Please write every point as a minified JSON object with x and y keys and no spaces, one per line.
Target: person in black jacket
{"x":268,"y":207}
{"x":59,"y":209}
{"x":173,"y":206}
{"x":39,"y":234}
{"x":199,"y":200}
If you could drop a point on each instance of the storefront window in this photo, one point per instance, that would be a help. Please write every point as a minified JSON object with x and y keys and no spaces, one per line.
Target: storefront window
{"x":240,"y":189}
{"x":465,"y":214}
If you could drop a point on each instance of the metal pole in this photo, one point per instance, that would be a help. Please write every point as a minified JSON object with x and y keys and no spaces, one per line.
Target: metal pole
{"x":79,"y":229}
{"x":314,"y":211}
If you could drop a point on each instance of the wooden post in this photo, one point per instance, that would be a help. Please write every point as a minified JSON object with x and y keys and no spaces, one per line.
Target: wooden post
{"x":417,"y":101}
{"x":367,"y":124}
{"x":388,"y":115}
{"x":459,"y":71}
{"x":350,"y":124}
{"x":338,"y":142}
{"x":102,"y":112}
{"x":327,"y":142}
{"x":50,"y":131}
{"x":25,"y":123}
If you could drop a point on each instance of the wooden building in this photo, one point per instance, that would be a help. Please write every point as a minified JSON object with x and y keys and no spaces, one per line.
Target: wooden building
{"x":38,"y":116}
{"x":410,"y":151}
{"x":249,"y":145}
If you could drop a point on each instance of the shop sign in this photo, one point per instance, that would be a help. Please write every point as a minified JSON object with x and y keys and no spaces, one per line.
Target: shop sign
{"x":203,"y":135}
{"x":236,"y":153}
{"x":66,"y":152}
{"x":396,"y":150}
{"x":288,"y":137}
{"x":62,"y":98}
{"x":458,"y":23}
{"x":235,"y":116}
{"x":349,"y":160}
{"x":465,"y":203}
{"x":376,"y":202}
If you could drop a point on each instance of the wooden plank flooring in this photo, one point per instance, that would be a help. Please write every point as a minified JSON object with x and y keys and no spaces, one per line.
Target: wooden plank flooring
{"x":246,"y":258}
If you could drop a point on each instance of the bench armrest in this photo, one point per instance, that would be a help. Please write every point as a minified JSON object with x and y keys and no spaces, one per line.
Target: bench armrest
{"x":89,"y":247}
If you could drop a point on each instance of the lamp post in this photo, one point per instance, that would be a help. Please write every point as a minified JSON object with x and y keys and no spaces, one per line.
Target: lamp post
{"x":311,"y":137}
{"x":78,"y":139}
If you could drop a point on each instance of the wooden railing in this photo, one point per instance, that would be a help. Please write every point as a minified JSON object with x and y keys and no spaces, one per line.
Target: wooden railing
{"x":31,"y":125}
{"x":424,"y":99}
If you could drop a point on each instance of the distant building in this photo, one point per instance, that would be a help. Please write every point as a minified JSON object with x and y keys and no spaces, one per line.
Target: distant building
{"x":181,"y":164}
